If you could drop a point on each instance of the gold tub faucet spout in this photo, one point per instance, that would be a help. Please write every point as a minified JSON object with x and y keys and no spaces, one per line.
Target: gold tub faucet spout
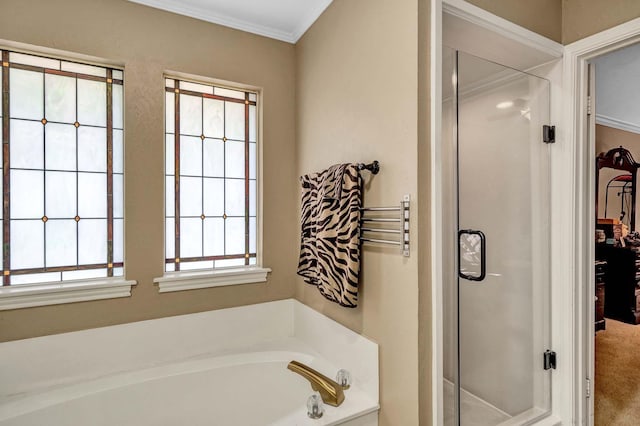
{"x":331,"y":392}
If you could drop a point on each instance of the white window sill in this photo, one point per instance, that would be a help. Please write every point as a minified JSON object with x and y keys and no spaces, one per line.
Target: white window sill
{"x":29,"y":295}
{"x":187,"y":280}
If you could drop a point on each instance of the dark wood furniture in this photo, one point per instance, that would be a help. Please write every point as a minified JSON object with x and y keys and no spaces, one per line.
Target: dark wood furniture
{"x":619,"y":159}
{"x":621,"y":279}
{"x":601,"y":267}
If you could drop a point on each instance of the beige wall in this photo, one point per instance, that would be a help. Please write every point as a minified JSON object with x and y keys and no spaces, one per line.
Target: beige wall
{"x":148,"y":42}
{"x":357,"y":102}
{"x":541,"y":16}
{"x":582,"y":18}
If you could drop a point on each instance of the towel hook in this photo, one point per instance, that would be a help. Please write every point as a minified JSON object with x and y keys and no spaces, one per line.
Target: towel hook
{"x":374,"y":167}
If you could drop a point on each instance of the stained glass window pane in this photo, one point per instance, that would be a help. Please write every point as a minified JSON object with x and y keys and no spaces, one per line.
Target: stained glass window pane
{"x":118,"y":240}
{"x":252,"y":261}
{"x":34,"y":278}
{"x":213,"y":237}
{"x":169,"y":110}
{"x":84,"y":274}
{"x":92,"y":149}
{"x":234,"y":159}
{"x":190,"y":156}
{"x":118,"y":190}
{"x":118,"y":152}
{"x":170,"y":267}
{"x":214,"y":152}
{"x":26,"y":88}
{"x":27,"y":195}
{"x":92,"y":103}
{"x":234,"y":197}
{"x":213,"y":158}
{"x":170,"y":195}
{"x":118,"y":104}
{"x":92,"y":195}
{"x":190,"y":196}
{"x":169,"y":154}
{"x":252,"y":198}
{"x":252,"y":123}
{"x":190,"y":237}
{"x":36,"y":61}
{"x":213,"y":202}
{"x":83,"y":69}
{"x":61,"y":249}
{"x":252,"y":161}
{"x":234,"y":120}
{"x":60,"y":99}
{"x":170,"y":242}
{"x":60,"y":146}
{"x":195,"y":87}
{"x":252,"y":234}
{"x":190,"y":115}
{"x":190,"y":266}
{"x":253,"y":97}
{"x":226,"y":263}
{"x":229,"y":93}
{"x":118,"y":272}
{"x":234,"y":236}
{"x":92,"y":241}
{"x":27,"y":244}
{"x":59,"y":169}
{"x":61,"y":195}
{"x":26,"y":144}
{"x":213,"y":118}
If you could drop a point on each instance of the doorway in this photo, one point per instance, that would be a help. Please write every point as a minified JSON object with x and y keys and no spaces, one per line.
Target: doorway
{"x":614,"y":120}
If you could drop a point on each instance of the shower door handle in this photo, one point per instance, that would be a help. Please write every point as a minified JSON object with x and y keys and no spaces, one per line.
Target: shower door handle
{"x":472,"y":257}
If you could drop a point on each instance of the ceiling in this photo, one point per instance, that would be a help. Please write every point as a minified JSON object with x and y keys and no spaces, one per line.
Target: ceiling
{"x":285,"y":20}
{"x":618,"y":89}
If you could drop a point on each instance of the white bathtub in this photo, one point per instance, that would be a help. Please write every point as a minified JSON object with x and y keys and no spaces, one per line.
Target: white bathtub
{"x":228,"y":379}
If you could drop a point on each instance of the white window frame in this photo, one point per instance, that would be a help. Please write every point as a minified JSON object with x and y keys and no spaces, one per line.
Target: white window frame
{"x":53,"y":293}
{"x":220,"y":277}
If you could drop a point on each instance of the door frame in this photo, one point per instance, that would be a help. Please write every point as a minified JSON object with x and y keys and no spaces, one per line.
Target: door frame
{"x":577,"y":200}
{"x":562,"y":397}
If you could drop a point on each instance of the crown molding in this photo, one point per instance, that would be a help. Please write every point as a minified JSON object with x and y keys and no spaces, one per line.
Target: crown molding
{"x":176,"y":6}
{"x":617,"y":124}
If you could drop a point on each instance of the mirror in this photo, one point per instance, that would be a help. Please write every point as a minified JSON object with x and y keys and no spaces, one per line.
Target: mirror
{"x":616,"y":175}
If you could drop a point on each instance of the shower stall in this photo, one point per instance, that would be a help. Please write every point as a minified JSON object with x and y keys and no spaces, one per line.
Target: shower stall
{"x":496,"y":245}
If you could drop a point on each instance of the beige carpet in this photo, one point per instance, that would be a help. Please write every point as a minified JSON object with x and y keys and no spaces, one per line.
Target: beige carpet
{"x":617,"y":381}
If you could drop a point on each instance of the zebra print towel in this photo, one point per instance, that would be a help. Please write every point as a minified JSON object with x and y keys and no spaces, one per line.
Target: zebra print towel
{"x":330,"y":242}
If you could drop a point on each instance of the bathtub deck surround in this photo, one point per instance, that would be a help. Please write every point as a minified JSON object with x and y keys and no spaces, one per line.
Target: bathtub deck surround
{"x":211,"y":357}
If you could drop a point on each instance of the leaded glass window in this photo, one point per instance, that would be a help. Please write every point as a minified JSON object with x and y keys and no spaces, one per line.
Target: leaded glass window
{"x":62,"y":170}
{"x":210,"y":176}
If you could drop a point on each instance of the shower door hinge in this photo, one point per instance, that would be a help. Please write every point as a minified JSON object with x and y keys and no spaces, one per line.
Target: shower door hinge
{"x":588,"y":388}
{"x":549,"y":360}
{"x":548,"y":134}
{"x":589,"y":105}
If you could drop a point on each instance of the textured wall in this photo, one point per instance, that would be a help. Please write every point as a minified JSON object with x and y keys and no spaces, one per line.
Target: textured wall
{"x":149,"y":42}
{"x":357,"y":97}
{"x":582,"y":18}
{"x":541,"y":16}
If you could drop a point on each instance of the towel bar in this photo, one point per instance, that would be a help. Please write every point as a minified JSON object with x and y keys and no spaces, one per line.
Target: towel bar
{"x":380,"y":209}
{"x":402,"y":230}
{"x":382,"y":230}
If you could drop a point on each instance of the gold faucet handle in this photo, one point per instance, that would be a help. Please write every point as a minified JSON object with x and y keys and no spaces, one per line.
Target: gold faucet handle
{"x":330,"y":391}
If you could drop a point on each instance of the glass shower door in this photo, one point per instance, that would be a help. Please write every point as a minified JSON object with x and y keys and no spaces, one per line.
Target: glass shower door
{"x":502,"y":243}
